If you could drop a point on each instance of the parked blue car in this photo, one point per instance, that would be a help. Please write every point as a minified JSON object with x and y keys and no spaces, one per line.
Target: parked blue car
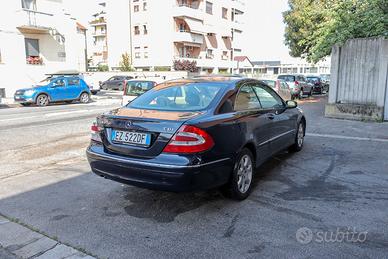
{"x":56,"y":89}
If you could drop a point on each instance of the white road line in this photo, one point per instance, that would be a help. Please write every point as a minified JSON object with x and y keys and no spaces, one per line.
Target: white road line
{"x":55,"y":114}
{"x":346,"y":137}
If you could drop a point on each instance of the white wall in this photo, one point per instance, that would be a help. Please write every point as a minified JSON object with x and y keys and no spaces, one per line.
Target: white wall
{"x":118,"y":30}
{"x":14,"y":72}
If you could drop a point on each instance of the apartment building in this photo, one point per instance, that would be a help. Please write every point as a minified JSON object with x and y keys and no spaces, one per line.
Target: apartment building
{"x":98,"y":25}
{"x":161,"y":32}
{"x":36,"y":38}
{"x":294,"y":66}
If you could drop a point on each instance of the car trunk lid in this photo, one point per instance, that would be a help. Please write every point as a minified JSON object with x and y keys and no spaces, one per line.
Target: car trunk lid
{"x":160,"y":126}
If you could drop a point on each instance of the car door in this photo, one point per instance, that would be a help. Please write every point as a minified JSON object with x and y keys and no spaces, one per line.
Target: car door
{"x":282,"y":127}
{"x":253,"y":120}
{"x":110,"y":82}
{"x":57,"y":90}
{"x":74,"y":88}
{"x":307,"y":87}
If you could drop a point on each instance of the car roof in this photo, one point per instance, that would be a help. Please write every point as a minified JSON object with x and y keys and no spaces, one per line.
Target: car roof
{"x":229,"y":81}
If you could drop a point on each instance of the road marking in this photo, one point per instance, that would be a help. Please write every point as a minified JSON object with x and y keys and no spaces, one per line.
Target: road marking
{"x":346,"y":137}
{"x":55,"y":114}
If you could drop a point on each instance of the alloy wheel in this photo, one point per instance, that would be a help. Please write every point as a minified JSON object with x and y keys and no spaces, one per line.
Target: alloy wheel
{"x":300,"y":137}
{"x":244,"y":173}
{"x":42,"y":100}
{"x":84,"y":98}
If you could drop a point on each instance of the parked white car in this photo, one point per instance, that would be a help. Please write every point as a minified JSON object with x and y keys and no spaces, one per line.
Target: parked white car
{"x":134,"y":88}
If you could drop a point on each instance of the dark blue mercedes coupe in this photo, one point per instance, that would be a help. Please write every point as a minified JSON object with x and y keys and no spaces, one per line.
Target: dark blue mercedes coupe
{"x":196,"y":134}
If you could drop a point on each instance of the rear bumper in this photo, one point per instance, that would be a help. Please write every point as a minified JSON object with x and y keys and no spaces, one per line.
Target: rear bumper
{"x":158,"y":174}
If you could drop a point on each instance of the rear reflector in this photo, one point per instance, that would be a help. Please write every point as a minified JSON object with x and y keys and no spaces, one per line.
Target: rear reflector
{"x":189,"y":139}
{"x":95,"y":131}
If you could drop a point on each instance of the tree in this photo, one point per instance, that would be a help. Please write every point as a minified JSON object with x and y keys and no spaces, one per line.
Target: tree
{"x":126,"y":63}
{"x":314,"y":26}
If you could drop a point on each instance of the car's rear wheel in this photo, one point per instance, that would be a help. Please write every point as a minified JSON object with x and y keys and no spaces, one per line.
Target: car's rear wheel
{"x":240,"y":183}
{"x":42,"y":100}
{"x":299,"y":138}
{"x":84,"y":98}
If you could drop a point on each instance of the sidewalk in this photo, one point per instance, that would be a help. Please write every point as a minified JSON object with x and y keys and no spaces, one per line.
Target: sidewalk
{"x":17,"y":241}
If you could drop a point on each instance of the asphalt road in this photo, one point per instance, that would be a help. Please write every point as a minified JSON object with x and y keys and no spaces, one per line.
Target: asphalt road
{"x":303,"y":205}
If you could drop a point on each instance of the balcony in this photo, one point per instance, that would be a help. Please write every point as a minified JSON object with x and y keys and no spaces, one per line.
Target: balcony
{"x":98,"y":22}
{"x":188,"y":37}
{"x":99,"y":33}
{"x":186,"y":10}
{"x":35,"y":22}
{"x":238,"y":25}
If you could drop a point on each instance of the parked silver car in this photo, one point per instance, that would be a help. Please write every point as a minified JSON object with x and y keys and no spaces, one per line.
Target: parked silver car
{"x":298,"y":84}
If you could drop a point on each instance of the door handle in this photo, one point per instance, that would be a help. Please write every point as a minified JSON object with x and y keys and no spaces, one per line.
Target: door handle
{"x":271,"y":116}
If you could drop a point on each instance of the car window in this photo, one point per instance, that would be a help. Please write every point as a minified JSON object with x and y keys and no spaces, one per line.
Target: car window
{"x":138,"y":87}
{"x":59,"y":82}
{"x":187,"y":97}
{"x":246,"y":99}
{"x":284,"y":85}
{"x":268,"y":98}
{"x":73,"y":81}
{"x":287,"y":78}
{"x":270,"y":83}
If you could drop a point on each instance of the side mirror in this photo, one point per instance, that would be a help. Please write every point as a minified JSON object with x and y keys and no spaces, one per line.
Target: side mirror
{"x":291,"y":104}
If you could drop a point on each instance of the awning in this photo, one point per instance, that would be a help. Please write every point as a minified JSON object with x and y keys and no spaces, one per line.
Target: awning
{"x":195,"y":26}
{"x":209,"y":44}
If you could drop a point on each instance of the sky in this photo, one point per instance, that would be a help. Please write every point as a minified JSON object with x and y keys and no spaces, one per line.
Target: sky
{"x":263,"y":37}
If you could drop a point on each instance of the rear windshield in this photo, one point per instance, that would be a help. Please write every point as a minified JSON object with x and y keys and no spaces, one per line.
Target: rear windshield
{"x":287,"y":78}
{"x":312,"y":79}
{"x":135,"y":88}
{"x":188,"y":97}
{"x":270,"y":83}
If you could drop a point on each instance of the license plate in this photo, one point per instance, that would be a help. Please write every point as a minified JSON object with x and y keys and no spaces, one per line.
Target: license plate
{"x":131,"y":137}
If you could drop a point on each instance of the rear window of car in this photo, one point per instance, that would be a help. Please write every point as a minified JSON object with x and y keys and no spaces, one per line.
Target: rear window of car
{"x":287,"y":78}
{"x":312,"y":79}
{"x":186,"y":97}
{"x":135,"y":88}
{"x":271,"y":83}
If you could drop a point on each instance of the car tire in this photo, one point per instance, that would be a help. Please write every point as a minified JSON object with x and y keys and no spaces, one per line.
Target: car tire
{"x":42,"y":100}
{"x":240,"y":182}
{"x":300,"y":96}
{"x":84,"y":98}
{"x":299,"y":138}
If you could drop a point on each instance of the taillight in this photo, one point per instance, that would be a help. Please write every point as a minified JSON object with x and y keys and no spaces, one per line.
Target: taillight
{"x":296,"y":83}
{"x":189,"y":139}
{"x":95,"y":132}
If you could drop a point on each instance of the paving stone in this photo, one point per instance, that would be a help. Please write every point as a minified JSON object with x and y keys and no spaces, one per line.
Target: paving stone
{"x":60,"y":251}
{"x":40,"y":246}
{"x":14,"y":236}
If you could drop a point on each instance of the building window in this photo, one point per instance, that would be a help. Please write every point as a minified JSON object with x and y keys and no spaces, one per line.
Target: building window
{"x":29,"y":4}
{"x":224,"y":13}
{"x":209,"y":7}
{"x":145,"y":52}
{"x":145,"y":6}
{"x":137,"y":30}
{"x":136,"y":8}
{"x":209,"y":54}
{"x":145,"y":29}
{"x":137,"y":52}
{"x":32,"y":51}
